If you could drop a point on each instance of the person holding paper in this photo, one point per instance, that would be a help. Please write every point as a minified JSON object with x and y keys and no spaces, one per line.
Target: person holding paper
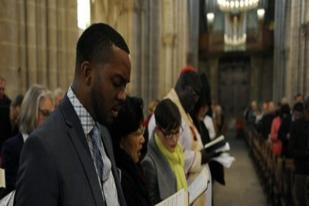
{"x":127,"y":132}
{"x":185,"y":95}
{"x":164,"y":161}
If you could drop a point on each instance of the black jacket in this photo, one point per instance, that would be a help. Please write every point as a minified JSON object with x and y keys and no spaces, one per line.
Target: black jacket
{"x":5,"y":124}
{"x":132,"y":180}
{"x":216,"y":169}
{"x":11,"y":150}
{"x":56,"y":167}
{"x":264,"y":125}
{"x":299,"y":145}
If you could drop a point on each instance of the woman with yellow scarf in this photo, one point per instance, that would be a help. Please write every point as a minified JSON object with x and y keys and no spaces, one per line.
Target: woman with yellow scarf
{"x":164,"y":162}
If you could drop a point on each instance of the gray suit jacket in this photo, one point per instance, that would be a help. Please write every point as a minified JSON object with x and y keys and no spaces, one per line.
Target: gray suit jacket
{"x":160,"y":179}
{"x":56,"y":168}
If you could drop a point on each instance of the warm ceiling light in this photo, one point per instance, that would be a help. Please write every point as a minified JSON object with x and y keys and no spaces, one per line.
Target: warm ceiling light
{"x":260,"y":13}
{"x":237,"y":5}
{"x":210,"y":17}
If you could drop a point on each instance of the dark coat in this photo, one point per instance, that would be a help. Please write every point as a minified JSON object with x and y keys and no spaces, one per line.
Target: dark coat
{"x":284,"y":131}
{"x":132,"y":180}
{"x":216,"y":169}
{"x":10,"y":159}
{"x":5,"y":124}
{"x":56,"y":167}
{"x":299,"y":145}
{"x":264,"y":125}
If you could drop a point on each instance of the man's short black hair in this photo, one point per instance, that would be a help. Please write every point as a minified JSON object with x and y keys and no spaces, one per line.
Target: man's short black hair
{"x":167,"y":115}
{"x":95,"y":43}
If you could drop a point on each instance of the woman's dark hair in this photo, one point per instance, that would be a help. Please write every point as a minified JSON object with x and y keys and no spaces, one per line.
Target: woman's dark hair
{"x":205,"y":99}
{"x":299,"y":107}
{"x":129,"y":118}
{"x":167,"y":115}
{"x":285,"y":109}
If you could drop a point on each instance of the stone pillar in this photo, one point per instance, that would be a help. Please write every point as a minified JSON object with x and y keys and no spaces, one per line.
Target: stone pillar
{"x":293,"y":59}
{"x":255,"y":83}
{"x":9,"y":67}
{"x":157,"y":34}
{"x":214,"y":78}
{"x":306,"y":43}
{"x":41,"y":36}
{"x":279,"y":71}
{"x":174,"y":46}
{"x":166,"y":73}
{"x":182,"y":46}
{"x":193,"y":26}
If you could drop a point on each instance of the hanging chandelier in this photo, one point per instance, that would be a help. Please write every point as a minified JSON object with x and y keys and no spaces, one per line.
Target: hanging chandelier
{"x":234,"y":6}
{"x":236,"y":20}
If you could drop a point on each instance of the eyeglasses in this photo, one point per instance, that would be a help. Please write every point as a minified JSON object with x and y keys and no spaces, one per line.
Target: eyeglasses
{"x":170,"y":134}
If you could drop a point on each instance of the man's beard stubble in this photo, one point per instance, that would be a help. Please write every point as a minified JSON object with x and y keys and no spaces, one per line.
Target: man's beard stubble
{"x":99,"y":108}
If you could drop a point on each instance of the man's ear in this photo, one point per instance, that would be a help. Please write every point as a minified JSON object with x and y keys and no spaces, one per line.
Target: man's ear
{"x":86,"y":73}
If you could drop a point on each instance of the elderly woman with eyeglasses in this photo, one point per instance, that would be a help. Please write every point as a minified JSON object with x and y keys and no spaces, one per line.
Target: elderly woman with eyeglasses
{"x":127,"y":132}
{"x":164,"y":161}
{"x":35,"y":108}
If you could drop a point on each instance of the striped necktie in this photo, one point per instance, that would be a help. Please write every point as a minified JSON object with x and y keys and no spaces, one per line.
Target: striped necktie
{"x":97,"y":156}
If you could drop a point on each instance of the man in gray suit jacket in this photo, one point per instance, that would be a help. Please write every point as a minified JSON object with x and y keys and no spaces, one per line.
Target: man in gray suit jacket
{"x":69,"y":161}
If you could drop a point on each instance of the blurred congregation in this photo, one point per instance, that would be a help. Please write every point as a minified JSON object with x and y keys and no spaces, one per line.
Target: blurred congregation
{"x":129,"y":102}
{"x":277,"y":135}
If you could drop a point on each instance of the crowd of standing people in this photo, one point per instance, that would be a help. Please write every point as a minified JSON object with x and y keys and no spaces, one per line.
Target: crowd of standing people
{"x":286,"y":131}
{"x":93,"y":146}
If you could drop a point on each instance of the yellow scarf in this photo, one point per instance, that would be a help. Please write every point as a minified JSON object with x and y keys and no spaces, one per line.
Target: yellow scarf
{"x":175,"y":161}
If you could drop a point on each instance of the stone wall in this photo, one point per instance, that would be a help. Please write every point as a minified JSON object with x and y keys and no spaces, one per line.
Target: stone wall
{"x":291,"y":76}
{"x":37,"y":40}
{"x":157,"y":34}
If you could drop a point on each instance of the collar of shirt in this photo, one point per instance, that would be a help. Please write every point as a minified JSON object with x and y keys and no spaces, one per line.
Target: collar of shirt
{"x":25,"y":136}
{"x":85,"y":118}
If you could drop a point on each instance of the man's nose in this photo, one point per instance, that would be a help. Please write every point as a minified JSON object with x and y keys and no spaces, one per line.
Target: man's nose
{"x":122,"y":95}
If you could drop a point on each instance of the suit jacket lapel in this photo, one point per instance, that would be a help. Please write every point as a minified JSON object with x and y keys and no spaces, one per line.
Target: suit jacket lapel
{"x":108,"y":146}
{"x":77,"y":136}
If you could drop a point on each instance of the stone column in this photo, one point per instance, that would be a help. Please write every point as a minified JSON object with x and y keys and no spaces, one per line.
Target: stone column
{"x":9,"y":67}
{"x":281,"y":18}
{"x":167,"y":68}
{"x":255,"y":68}
{"x":41,"y":36}
{"x":293,"y":58}
{"x":181,"y":48}
{"x":157,"y":34}
{"x":214,"y":78}
{"x":193,"y":26}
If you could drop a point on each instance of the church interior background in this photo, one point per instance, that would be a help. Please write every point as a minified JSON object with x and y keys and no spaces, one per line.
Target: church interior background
{"x":249,"y":49}
{"x":256,"y":52}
